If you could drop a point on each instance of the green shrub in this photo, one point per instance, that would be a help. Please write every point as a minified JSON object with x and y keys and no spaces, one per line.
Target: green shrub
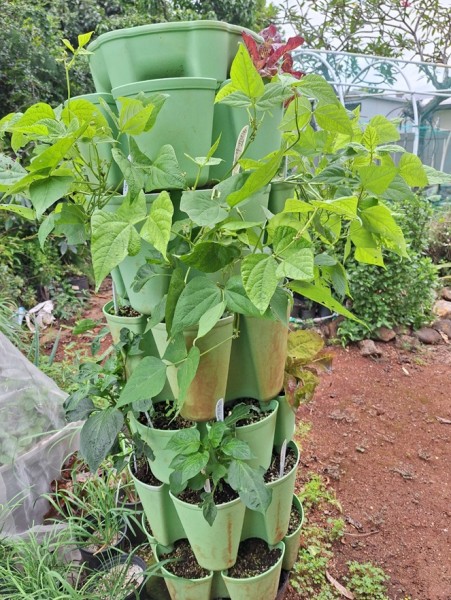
{"x":439,"y":242}
{"x":402,"y":293}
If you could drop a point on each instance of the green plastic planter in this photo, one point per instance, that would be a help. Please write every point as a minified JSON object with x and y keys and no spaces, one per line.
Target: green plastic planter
{"x":160,"y":513}
{"x":162,"y":50}
{"x":257,"y":361}
{"x":136,"y":325}
{"x":229,"y":122}
{"x":293,"y":541}
{"x":273,"y":525}
{"x":180,"y":588}
{"x":210,"y":381}
{"x":215,"y":546}
{"x":185,"y":120}
{"x":260,"y":587}
{"x":260,"y":436}
{"x":286,"y":422}
{"x":281,"y":191}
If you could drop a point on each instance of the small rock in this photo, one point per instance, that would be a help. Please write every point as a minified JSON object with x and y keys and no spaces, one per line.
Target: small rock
{"x":407,"y":342}
{"x":427,"y":335}
{"x":444,"y":325}
{"x":442,"y":308}
{"x":384,"y":334}
{"x":369,"y":348}
{"x":446,"y":293}
{"x":402,"y":330}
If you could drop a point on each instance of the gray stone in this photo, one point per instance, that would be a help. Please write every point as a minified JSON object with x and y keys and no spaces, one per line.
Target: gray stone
{"x":446,"y":293}
{"x":444,"y":325}
{"x":407,"y":342}
{"x":442,"y":308}
{"x":384,"y":334}
{"x":427,"y":335}
{"x":369,"y":348}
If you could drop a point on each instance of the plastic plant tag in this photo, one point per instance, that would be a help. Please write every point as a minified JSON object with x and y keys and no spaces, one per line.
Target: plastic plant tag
{"x":207,"y":486}
{"x":149,"y":420}
{"x":240,"y":144}
{"x":220,"y":409}
{"x":283,"y":454}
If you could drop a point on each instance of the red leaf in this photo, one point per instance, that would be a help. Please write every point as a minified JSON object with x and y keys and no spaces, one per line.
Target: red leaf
{"x":271,"y":34}
{"x":251,"y":46}
{"x":292,"y":43}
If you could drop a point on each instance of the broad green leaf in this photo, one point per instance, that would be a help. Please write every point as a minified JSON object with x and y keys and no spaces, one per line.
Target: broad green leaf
{"x":133,"y":209}
{"x":257,"y":180}
{"x":437,"y":177}
{"x":297,"y":116}
{"x":113,"y":239}
{"x":239,"y":225}
{"x":411,"y":169}
{"x":185,"y":441}
{"x":189,"y":466}
{"x":80,"y":411}
{"x":377,"y":178}
{"x":274,"y":96}
{"x":165,"y":171}
{"x":11,"y":172}
{"x":250,"y":486}
{"x":52,"y":156}
{"x":133,"y":115}
{"x":331,"y":174}
{"x":334,"y":118}
{"x":236,"y":298}
{"x":378,"y":219}
{"x":199,"y":295}
{"x":236,"y":99}
{"x":209,"y":319}
{"x":146,"y":381}
{"x":210,"y":257}
{"x":84,"y":38}
{"x":157,"y":228}
{"x":370,"y":256}
{"x":71,"y":221}
{"x":386,"y":130}
{"x":227,"y":89}
{"x":202,"y":208}
{"x":238,"y":449}
{"x":176,"y":349}
{"x":297,"y":206}
{"x":279,"y":305}
{"x":297,"y":263}
{"x":45,"y":192}
{"x":245,"y":77}
{"x":85,"y":111}
{"x":186,"y":373}
{"x":315,"y":86}
{"x":370,"y":138}
{"x":98,"y":435}
{"x":133,"y":176}
{"x":323,"y":296}
{"x":22,"y":211}
{"x":216,"y":433}
{"x":304,"y":345}
{"x":258,"y":272}
{"x":176,"y":287}
{"x":347,"y":207}
{"x":46,"y":228}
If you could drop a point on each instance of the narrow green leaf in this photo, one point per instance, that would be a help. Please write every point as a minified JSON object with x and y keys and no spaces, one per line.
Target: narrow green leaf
{"x":245,"y":77}
{"x":258,"y":272}
{"x":46,"y":228}
{"x":199,"y":295}
{"x":157,"y":228}
{"x":257,"y":180}
{"x":146,"y":381}
{"x":22,"y":211}
{"x":98,"y":435}
{"x":52,"y":156}
{"x":186,"y":373}
{"x":323,"y":296}
{"x":176,"y":287}
{"x":209,"y":319}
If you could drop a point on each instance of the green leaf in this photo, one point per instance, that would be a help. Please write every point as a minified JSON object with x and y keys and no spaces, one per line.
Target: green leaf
{"x":22,"y":211}
{"x":10,"y":172}
{"x":209,"y":319}
{"x":257,"y":180}
{"x":202,"y":208}
{"x":216,"y":433}
{"x":133,"y":208}
{"x":52,"y":156}
{"x":146,"y":381}
{"x":70,"y":221}
{"x":176,"y":349}
{"x":315,"y":86}
{"x":98,"y":435}
{"x":347,"y":206}
{"x":165,"y":171}
{"x":236,"y":298}
{"x":258,"y":272}
{"x":279,"y":304}
{"x":158,"y":313}
{"x":84,"y":38}
{"x":436,"y":177}
{"x":378,"y":219}
{"x":245,"y":77}
{"x":189,"y":466}
{"x":297,"y":206}
{"x":210,"y":257}
{"x":377,"y":178}
{"x":370,"y":138}
{"x":199,"y":295}
{"x":297,"y":115}
{"x":176,"y":287}
{"x":185,"y":441}
{"x":250,"y":486}
{"x":296,"y":254}
{"x":84,"y":325}
{"x":157,"y":228}
{"x":81,"y":411}
{"x":186,"y":373}
{"x":412,"y":171}
{"x":323,"y":296}
{"x":369,"y":256}
{"x":133,"y":176}
{"x":238,"y":449}
{"x":46,"y":228}
{"x":333,"y":118}
{"x":274,"y":95}
{"x":209,"y":510}
{"x":45,"y":192}
{"x":239,"y":225}
{"x":113,"y":239}
{"x":304,"y":345}
{"x":133,"y":115}
{"x":386,"y":130}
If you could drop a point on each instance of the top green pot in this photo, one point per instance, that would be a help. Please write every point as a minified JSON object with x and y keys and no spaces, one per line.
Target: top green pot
{"x":181,"y":49}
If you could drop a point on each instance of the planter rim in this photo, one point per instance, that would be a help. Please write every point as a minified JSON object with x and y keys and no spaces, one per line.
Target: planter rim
{"x":197,"y":508}
{"x":169,"y":27}
{"x":171,"y":575}
{"x":118,"y":319}
{"x":298,"y":504}
{"x":147,"y":485}
{"x":277,"y":481}
{"x":271,"y":404}
{"x":171,"y":83}
{"x":221,"y":323}
{"x":92,"y":97}
{"x":280,"y":545}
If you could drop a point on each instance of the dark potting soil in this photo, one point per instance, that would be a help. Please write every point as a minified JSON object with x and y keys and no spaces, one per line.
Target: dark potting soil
{"x":254,"y":557}
{"x":161,"y":420}
{"x":257,"y":413}
{"x":125,"y":311}
{"x":273,"y":472}
{"x":185,"y":563}
{"x":295,"y":520}
{"x":223,"y":494}
{"x":143,"y":472}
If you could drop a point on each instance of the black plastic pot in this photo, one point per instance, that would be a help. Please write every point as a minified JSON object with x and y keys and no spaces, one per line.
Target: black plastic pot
{"x":95,"y":559}
{"x":121,"y":559}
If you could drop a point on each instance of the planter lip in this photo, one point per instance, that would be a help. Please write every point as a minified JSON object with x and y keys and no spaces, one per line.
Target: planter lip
{"x":289,"y":474}
{"x":92,"y":96}
{"x":159,"y":28}
{"x":172,"y":575}
{"x":156,"y":488}
{"x":275,"y":566}
{"x":118,"y":319}
{"x":298,"y":504}
{"x":170,"y":83}
{"x":106,"y":565}
{"x":199,"y":509}
{"x":271,"y":404}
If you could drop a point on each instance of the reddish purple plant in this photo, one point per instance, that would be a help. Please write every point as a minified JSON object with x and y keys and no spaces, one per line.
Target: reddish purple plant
{"x":273,"y":55}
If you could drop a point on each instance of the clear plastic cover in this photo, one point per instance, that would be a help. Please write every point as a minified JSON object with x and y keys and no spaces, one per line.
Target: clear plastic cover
{"x":34,"y":440}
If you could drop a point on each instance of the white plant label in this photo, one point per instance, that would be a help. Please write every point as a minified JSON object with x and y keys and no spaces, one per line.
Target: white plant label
{"x":220,"y":409}
{"x":125,"y":187}
{"x":283,"y":455}
{"x":207,"y":486}
{"x":240,"y":144}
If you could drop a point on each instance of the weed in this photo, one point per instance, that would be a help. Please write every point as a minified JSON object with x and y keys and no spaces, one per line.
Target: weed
{"x":315,"y":492}
{"x":336,"y":528}
{"x":303,"y":429}
{"x":308,"y":577}
{"x":366,"y":581}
